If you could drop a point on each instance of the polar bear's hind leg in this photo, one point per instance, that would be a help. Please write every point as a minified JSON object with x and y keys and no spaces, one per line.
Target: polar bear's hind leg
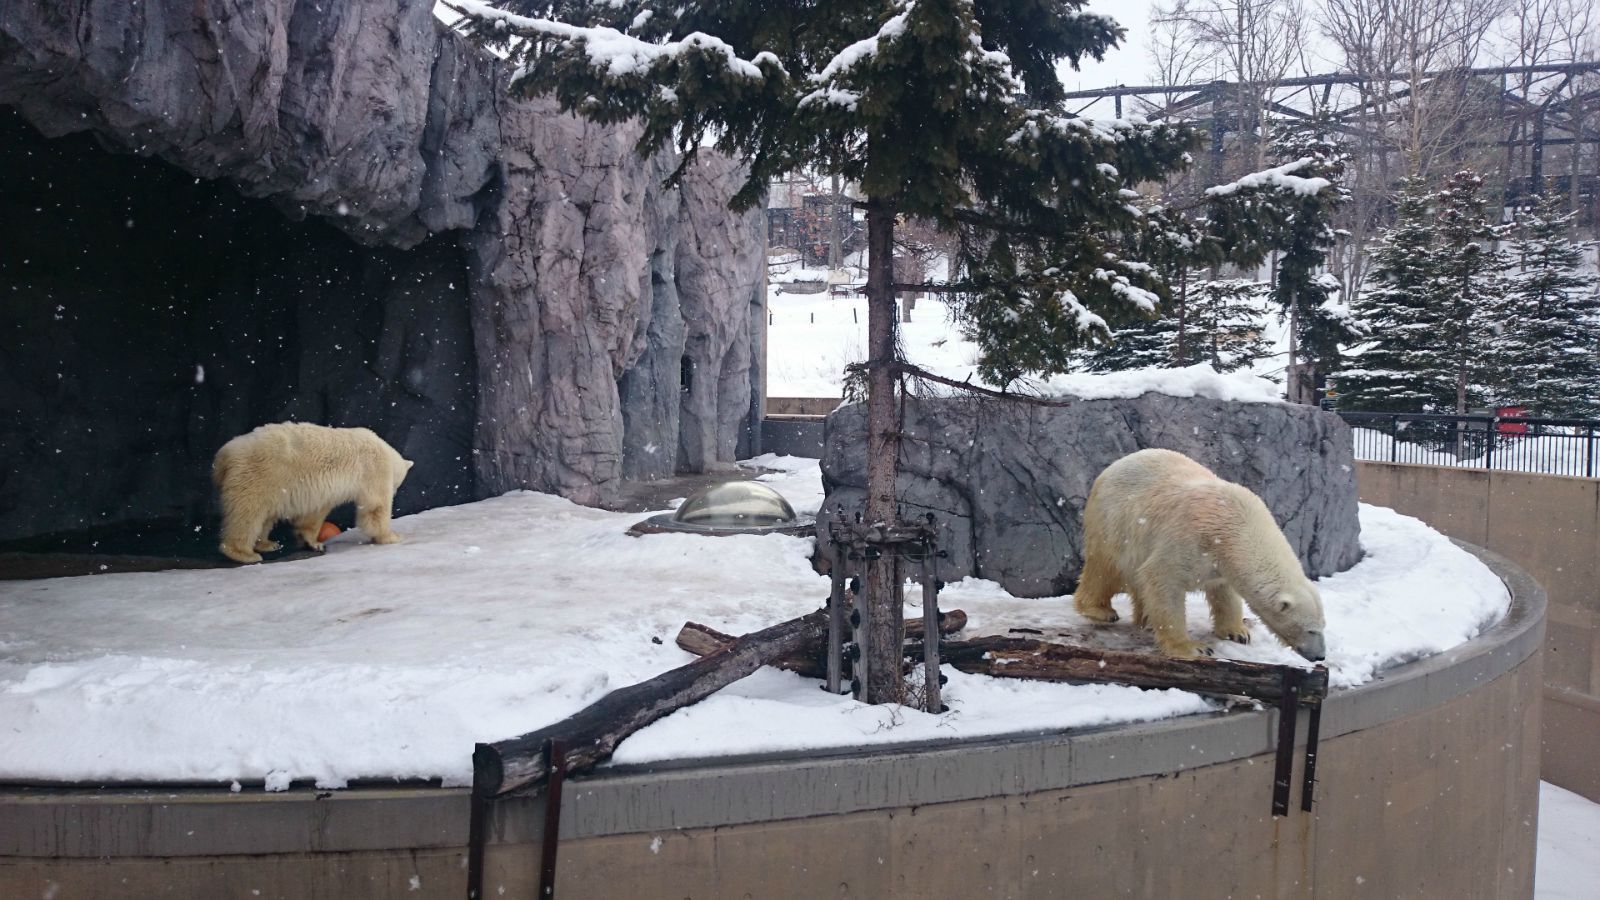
{"x":1096,"y":586}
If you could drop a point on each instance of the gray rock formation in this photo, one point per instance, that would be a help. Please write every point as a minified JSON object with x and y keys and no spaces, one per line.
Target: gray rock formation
{"x":611,"y":320}
{"x":1007,"y":482}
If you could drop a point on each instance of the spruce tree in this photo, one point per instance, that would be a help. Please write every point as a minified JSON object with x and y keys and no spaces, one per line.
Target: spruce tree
{"x":1548,"y":354}
{"x":1396,"y":317}
{"x":1468,"y":268}
{"x":1304,"y":233}
{"x":941,"y":110}
{"x":1228,"y":317}
{"x":1219,"y":322}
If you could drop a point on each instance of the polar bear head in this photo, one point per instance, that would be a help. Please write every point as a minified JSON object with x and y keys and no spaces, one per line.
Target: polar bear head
{"x":1294,"y":614}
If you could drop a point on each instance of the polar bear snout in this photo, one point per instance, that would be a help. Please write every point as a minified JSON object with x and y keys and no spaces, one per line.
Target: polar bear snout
{"x":1312,"y":646}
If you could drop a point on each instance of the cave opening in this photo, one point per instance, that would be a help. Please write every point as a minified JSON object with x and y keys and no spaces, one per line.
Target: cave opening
{"x":147,"y":316}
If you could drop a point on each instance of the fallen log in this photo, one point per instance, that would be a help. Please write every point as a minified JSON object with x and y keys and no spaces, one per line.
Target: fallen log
{"x":1009,"y":657}
{"x":811,"y":659}
{"x":592,"y":735}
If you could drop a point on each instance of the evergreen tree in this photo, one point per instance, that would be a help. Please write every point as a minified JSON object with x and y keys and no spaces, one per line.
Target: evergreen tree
{"x":1468,"y":268}
{"x":1218,"y":322}
{"x":942,"y":110}
{"x":1303,"y":292}
{"x":1227,"y":316}
{"x":1548,"y":355}
{"x":1396,"y":317}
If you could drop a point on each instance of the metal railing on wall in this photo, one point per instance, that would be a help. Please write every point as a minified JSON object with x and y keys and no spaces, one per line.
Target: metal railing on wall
{"x":1505,"y":443}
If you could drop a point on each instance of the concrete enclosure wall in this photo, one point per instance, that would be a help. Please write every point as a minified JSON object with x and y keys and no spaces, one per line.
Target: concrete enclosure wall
{"x":1427,"y":787}
{"x":1550,"y":526}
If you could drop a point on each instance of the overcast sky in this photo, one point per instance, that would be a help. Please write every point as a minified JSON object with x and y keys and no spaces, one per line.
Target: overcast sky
{"x":1129,"y":63}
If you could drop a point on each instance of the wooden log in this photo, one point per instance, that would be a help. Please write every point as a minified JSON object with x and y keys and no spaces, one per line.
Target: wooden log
{"x":810,"y":660}
{"x":1009,"y":657}
{"x":592,"y":734}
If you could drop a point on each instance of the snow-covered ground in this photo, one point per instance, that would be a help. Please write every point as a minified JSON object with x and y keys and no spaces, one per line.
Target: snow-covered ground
{"x":498,"y":617}
{"x":812,"y":337}
{"x":1568,"y":866}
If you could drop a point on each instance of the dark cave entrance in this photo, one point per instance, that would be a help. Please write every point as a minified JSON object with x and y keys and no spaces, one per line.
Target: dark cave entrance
{"x":146,"y":316}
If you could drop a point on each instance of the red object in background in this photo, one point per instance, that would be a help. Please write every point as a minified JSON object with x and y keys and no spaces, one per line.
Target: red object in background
{"x":1511,"y":427}
{"x":328,"y":530}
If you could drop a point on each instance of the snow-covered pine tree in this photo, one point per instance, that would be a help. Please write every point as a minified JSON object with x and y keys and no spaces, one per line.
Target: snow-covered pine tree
{"x":1396,"y":317}
{"x":1301,"y":229}
{"x":1220,"y":322}
{"x":1228,"y":324}
{"x":1468,"y":275}
{"x":942,"y":110}
{"x":1548,"y":353}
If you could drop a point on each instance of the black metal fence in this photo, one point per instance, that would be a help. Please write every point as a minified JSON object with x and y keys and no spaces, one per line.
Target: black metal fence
{"x":1507,"y":443}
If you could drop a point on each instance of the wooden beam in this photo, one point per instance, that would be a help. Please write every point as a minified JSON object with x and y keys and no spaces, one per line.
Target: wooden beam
{"x":592,"y":735}
{"x":1006,"y":657}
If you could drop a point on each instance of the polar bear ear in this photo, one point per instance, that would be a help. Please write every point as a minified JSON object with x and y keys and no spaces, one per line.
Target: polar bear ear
{"x":410,"y":463}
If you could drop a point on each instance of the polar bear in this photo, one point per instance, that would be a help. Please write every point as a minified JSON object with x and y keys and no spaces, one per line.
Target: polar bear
{"x":300,"y":472}
{"x":1158,"y":524}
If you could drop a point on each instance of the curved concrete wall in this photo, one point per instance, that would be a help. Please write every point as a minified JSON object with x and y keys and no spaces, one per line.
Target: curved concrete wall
{"x":1550,"y":526}
{"x":1428,"y":786}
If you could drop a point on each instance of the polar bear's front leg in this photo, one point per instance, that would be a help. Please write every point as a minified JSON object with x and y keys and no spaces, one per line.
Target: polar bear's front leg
{"x":374,"y":521}
{"x":1227,"y":613}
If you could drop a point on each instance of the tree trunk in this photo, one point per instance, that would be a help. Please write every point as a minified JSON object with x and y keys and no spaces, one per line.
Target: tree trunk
{"x":1179,"y":351}
{"x":1295,"y":390}
{"x":835,"y":253}
{"x":882,"y":655}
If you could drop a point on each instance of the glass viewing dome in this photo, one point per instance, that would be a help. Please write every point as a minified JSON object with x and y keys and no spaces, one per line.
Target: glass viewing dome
{"x":732,"y":507}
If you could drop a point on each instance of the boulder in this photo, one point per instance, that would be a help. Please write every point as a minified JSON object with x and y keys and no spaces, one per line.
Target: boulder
{"x":1007,"y":480}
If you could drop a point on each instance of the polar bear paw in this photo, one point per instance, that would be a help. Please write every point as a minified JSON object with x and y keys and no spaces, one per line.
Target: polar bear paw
{"x":1239,"y":634}
{"x":1187,"y":649}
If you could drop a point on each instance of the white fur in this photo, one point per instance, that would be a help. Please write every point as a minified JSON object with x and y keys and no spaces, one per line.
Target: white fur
{"x":1158,"y":524}
{"x":300,"y":472}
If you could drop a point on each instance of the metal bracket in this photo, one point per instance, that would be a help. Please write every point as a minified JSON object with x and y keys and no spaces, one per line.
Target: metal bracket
{"x":477,"y":836}
{"x":1288,"y":713}
{"x":555,"y":754}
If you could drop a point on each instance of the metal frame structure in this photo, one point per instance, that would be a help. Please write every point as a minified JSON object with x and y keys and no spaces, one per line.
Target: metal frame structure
{"x":1545,"y":106}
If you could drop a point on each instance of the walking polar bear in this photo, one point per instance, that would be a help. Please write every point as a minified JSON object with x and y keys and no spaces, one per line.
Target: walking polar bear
{"x":1158,"y":524}
{"x":300,"y":472}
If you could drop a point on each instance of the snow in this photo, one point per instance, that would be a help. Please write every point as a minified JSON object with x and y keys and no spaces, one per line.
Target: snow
{"x":1190,"y":381}
{"x":1568,"y":864}
{"x":813,"y":337}
{"x":1279,"y":176}
{"x":498,"y":617}
{"x":618,"y":55}
{"x":866,"y":48}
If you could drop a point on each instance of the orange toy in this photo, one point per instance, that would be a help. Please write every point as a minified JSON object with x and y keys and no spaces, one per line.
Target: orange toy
{"x":327,"y":532}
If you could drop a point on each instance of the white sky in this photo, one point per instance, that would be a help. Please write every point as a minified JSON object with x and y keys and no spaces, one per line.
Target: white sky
{"x":1129,"y":63}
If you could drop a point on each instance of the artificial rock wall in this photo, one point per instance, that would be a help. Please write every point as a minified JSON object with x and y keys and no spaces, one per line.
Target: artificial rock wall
{"x":1007,"y":481}
{"x":561,"y":321}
